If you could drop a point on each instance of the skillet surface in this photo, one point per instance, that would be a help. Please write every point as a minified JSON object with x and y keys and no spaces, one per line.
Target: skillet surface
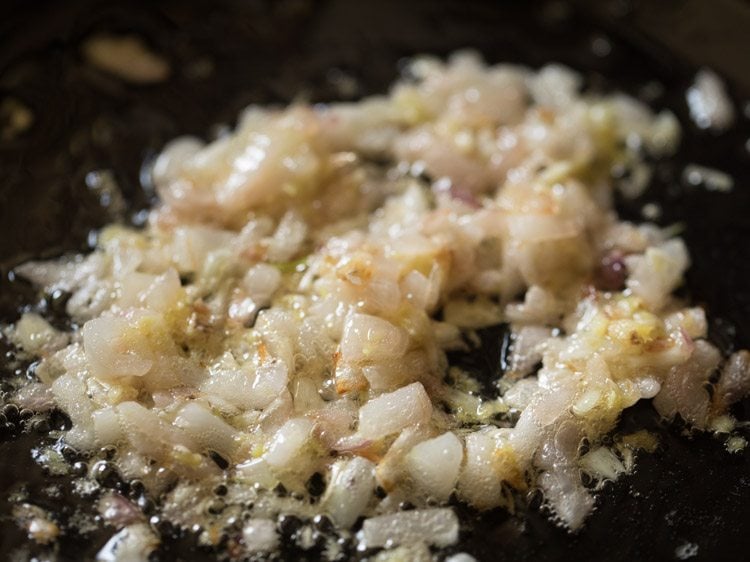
{"x":225,"y":55}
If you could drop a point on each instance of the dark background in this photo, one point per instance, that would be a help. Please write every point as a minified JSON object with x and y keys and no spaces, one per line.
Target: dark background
{"x":690,"y":490}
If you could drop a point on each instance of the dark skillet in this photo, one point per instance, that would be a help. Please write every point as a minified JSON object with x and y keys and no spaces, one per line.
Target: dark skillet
{"x":690,"y":491}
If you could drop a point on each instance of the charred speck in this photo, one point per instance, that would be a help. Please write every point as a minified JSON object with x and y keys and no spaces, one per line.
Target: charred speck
{"x":380,"y":492}
{"x":280,"y":490}
{"x":221,"y":490}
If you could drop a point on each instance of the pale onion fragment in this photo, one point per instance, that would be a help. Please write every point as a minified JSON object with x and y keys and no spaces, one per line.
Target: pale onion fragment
{"x":710,"y":106}
{"x":132,"y":544}
{"x":113,"y":347}
{"x":734,"y":382}
{"x":438,"y":527}
{"x":257,"y":471}
{"x":658,"y":272}
{"x":369,"y":338}
{"x":434,"y":465}
{"x":349,"y":491}
{"x":259,"y":535}
{"x":35,"y":335}
{"x":602,"y":463}
{"x":107,"y":428}
{"x":393,"y":411}
{"x":683,"y":392}
{"x":117,"y":510}
{"x":207,"y":429}
{"x":479,"y":483}
{"x":127,"y":57}
{"x":288,"y":443}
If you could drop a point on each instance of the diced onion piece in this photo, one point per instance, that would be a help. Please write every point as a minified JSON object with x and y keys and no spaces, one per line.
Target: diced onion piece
{"x":72,"y":397}
{"x":111,"y":346}
{"x":118,"y":510}
{"x":154,"y":292}
{"x":133,"y":544}
{"x":193,"y":244}
{"x":479,"y":484}
{"x":208,"y":430}
{"x":173,"y":156}
{"x":472,"y":314}
{"x":369,"y":338}
{"x":683,"y":392}
{"x":35,"y":335}
{"x":392,"y":412}
{"x":257,"y":471}
{"x":438,"y":527}
{"x":602,"y":463}
{"x":261,"y":281}
{"x":259,"y":535}
{"x":658,"y":272}
{"x":710,"y":106}
{"x":127,"y":57}
{"x":288,"y":443}
{"x":349,"y":491}
{"x":734,"y":382}
{"x":434,"y":465}
{"x":107,"y":427}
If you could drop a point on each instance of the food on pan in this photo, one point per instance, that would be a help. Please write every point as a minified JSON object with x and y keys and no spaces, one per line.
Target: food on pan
{"x":275,"y":341}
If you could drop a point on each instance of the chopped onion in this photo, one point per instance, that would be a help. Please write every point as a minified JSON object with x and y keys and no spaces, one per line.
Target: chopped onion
{"x":479,"y":483}
{"x":438,"y":527}
{"x":434,"y":465}
{"x":259,"y":535}
{"x":126,"y":57}
{"x":288,"y":443}
{"x":392,"y":412}
{"x":734,"y":382}
{"x":112,"y":348}
{"x":369,"y":338}
{"x":117,"y":510}
{"x":350,"y":490}
{"x":710,"y":106}
{"x":208,"y":430}
{"x":683,"y":392}
{"x":258,"y":472}
{"x":602,"y":463}
{"x":133,"y":544}
{"x":35,"y":335}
